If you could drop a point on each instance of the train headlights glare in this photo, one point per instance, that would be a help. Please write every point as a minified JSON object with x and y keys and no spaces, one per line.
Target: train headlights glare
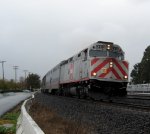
{"x":108,"y":47}
{"x":111,"y":64}
{"x":94,"y":74}
{"x":126,"y":77}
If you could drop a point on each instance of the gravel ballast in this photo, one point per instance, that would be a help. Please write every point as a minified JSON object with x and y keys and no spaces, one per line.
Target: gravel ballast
{"x":103,"y":119}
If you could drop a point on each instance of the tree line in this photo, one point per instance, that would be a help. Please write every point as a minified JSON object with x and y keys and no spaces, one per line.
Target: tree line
{"x":141,"y":71}
{"x":31,"y":82}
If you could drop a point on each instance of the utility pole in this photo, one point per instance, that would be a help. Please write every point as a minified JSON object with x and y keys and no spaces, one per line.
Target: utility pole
{"x":25,"y":71}
{"x":25,"y":81}
{"x":29,"y":73}
{"x":15,"y":68}
{"x":3,"y":68}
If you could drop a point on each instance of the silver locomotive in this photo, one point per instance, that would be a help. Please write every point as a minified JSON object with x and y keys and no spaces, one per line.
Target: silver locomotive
{"x":100,"y":69}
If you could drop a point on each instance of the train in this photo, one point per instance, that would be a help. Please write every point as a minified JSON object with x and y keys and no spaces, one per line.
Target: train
{"x":98,"y":70}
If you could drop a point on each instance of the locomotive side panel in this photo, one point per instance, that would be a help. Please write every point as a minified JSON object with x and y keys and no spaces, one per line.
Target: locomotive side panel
{"x":81,"y":66}
{"x":64,"y":74}
{"x":71,"y":70}
{"x":48,"y":80}
{"x":85,"y":64}
{"x":77,"y":70}
{"x":54,"y":81}
{"x":85,"y":70}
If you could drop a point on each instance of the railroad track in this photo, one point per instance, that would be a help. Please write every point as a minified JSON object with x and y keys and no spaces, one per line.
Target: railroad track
{"x":129,"y":102}
{"x":133,"y":101}
{"x":139,"y":97}
{"x":132,"y":105}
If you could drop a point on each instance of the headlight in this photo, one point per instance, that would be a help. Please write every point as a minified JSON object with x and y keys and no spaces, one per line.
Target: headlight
{"x":126,"y":77}
{"x":94,"y":74}
{"x":111,"y":64}
{"x":108,"y":47}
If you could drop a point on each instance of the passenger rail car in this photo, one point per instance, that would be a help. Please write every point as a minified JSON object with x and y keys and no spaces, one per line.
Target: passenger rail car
{"x":98,"y":69}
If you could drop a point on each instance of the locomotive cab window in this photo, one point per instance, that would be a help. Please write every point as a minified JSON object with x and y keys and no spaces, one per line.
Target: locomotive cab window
{"x":79,"y":54}
{"x":104,"y":53}
{"x":97,"y":53}
{"x":117,"y":55}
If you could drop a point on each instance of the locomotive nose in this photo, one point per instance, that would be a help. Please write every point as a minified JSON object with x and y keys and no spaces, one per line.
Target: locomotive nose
{"x":109,"y":69}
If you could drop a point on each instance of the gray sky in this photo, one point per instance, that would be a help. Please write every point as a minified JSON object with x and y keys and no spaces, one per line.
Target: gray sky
{"x":37,"y":34}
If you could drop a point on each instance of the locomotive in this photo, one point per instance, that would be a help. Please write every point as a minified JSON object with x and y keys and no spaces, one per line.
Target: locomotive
{"x":98,"y":70}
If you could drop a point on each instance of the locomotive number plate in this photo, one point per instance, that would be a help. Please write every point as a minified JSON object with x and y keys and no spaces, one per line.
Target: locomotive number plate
{"x":104,"y":70}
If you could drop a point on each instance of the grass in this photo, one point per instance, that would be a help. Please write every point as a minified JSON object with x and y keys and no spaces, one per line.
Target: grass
{"x":51,"y":123}
{"x":10,"y":118}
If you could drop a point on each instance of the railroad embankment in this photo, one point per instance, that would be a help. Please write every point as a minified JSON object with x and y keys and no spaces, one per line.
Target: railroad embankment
{"x":52,"y":123}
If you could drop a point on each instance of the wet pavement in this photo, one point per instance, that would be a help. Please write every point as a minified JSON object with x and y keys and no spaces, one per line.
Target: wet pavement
{"x":10,"y":100}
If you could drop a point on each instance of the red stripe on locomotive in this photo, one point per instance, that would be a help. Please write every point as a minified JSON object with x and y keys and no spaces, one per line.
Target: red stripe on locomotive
{"x":116,"y":74}
{"x":125,"y":64}
{"x":110,"y":69}
{"x":119,"y":67}
{"x":100,"y":66}
{"x":94,"y":61}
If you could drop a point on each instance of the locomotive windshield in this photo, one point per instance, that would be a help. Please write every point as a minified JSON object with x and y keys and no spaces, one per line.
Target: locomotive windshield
{"x":106,"y":51}
{"x":116,"y":55}
{"x":97,"y":53}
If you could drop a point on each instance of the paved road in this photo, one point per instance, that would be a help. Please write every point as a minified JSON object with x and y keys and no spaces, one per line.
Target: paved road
{"x":1,"y":95}
{"x":8,"y":102}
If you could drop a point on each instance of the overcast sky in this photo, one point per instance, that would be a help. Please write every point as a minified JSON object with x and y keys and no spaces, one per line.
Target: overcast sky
{"x":37,"y":34}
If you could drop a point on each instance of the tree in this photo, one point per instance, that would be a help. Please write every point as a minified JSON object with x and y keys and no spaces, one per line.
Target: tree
{"x":135,"y":74}
{"x":33,"y":81}
{"x":7,"y":85}
{"x":145,"y":68}
{"x":141,"y":72}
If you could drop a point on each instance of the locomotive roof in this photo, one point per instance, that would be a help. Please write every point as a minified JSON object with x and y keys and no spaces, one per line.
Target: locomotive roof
{"x":105,"y":43}
{"x":98,"y":42}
